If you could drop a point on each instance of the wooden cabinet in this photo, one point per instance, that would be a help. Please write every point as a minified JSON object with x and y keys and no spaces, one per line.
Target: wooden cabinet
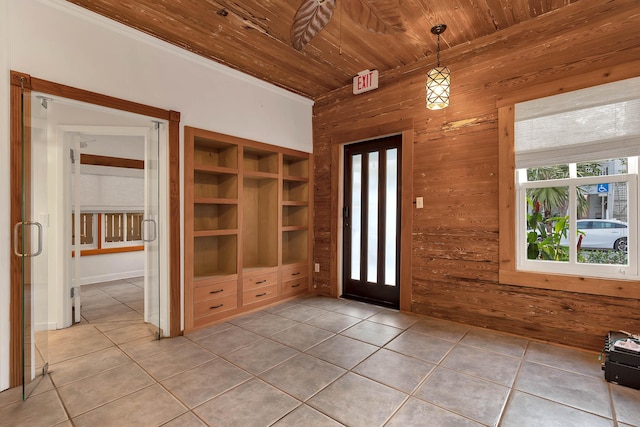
{"x":247,"y":225}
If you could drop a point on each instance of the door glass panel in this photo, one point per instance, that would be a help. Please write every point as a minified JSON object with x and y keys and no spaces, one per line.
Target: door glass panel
{"x":603,"y":223}
{"x":372,"y":226}
{"x":150,"y":230}
{"x":34,"y":253}
{"x":391,"y":225}
{"x":356,"y":214}
{"x":371,"y":221}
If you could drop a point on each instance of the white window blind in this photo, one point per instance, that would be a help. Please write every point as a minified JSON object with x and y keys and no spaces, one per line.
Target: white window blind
{"x":590,"y":124}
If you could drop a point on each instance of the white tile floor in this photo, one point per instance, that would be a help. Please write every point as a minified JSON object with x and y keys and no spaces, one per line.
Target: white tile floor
{"x":313,"y":361}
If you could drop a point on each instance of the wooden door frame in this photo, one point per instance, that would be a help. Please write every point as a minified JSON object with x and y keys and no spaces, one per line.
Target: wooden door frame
{"x":404,"y":128}
{"x":30,"y":83}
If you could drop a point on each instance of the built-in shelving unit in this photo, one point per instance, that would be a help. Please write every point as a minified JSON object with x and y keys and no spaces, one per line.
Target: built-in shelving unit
{"x":247,"y":225}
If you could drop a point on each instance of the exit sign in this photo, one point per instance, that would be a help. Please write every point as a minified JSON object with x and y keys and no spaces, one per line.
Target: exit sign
{"x":365,"y":81}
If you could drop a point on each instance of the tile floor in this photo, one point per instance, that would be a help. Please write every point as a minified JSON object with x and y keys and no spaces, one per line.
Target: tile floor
{"x":313,"y":361}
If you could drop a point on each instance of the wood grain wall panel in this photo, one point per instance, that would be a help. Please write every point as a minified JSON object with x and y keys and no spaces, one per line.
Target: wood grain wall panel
{"x":455,"y":248}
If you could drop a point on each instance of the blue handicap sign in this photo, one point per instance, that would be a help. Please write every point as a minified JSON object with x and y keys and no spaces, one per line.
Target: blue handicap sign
{"x":603,"y":188}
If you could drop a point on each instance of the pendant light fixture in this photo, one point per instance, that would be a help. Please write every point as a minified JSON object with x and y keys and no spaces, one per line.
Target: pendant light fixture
{"x":438,"y":79}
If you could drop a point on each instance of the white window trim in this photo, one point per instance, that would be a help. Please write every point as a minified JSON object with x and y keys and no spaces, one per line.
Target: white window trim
{"x":572,"y":267}
{"x":125,"y":243}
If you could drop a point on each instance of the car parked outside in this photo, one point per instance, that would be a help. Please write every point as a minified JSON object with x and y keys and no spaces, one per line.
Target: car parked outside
{"x":602,"y":234}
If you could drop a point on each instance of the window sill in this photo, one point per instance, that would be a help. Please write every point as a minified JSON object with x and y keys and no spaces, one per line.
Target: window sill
{"x":104,"y":251}
{"x":570,"y":283}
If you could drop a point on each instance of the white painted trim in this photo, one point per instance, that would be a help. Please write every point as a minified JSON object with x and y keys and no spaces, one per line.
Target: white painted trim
{"x":5,"y":226}
{"x":110,"y":277}
{"x":102,"y":21}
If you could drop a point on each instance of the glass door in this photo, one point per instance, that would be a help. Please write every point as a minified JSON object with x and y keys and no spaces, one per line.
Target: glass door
{"x":31,"y":240}
{"x":371,"y":221}
{"x":150,"y":229}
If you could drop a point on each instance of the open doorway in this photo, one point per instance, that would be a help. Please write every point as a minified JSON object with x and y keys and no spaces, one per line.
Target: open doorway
{"x":38,"y":209}
{"x":113,"y":186}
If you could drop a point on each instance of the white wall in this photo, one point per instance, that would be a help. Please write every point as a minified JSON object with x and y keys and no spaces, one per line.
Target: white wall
{"x":60,"y":42}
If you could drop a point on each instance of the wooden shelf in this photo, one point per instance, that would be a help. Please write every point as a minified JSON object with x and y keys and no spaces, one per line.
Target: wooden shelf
{"x":215,"y":216}
{"x":295,"y":166}
{"x":211,"y":233}
{"x":216,"y":169}
{"x":215,"y":255}
{"x":215,"y":185}
{"x":295,"y":246}
{"x":295,"y":191}
{"x":260,"y":222}
{"x":259,"y":160}
{"x":248,"y":213}
{"x":208,"y":151}
{"x":260,"y":175}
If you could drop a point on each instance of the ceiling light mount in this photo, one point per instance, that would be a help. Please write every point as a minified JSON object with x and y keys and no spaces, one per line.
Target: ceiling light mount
{"x":438,"y":79}
{"x":438,"y":29}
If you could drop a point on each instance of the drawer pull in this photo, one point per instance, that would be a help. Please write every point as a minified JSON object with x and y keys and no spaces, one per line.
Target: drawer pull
{"x":296,"y":285}
{"x":216,"y":292}
{"x":261,"y":281}
{"x":261,"y":295}
{"x":296,"y":274}
{"x":216,"y":306}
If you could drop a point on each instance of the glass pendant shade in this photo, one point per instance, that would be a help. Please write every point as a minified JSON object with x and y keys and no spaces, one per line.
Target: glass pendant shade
{"x":438,"y":83}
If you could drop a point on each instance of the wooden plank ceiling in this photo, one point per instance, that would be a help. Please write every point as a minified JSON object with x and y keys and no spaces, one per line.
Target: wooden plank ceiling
{"x":253,"y":36}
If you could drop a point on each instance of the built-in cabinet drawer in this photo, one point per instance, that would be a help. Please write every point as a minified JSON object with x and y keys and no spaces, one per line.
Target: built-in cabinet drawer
{"x":260,"y":280}
{"x":259,"y":294}
{"x":216,"y":290}
{"x":215,"y":306}
{"x":295,"y":286}
{"x":295,"y":272}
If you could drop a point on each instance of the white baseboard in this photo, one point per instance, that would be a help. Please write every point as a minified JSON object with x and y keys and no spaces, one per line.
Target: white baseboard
{"x":109,"y":277}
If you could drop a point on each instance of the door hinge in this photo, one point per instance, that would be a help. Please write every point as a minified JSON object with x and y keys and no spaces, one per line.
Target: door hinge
{"x":73,"y":292}
{"x":73,"y":160}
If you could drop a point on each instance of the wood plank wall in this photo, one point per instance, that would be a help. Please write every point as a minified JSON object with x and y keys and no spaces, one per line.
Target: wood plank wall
{"x":455,"y":243}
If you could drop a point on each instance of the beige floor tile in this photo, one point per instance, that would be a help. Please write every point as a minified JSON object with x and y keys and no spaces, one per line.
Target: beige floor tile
{"x":357,"y":401}
{"x":197,"y":385}
{"x":302,"y":376}
{"x":488,"y":365}
{"x":304,"y":415}
{"x":168,"y":363}
{"x":342,"y":351}
{"x":151,"y":406}
{"x":259,"y":357}
{"x":43,"y":409}
{"x":185,"y":420}
{"x":568,"y":359}
{"x":246,"y":406}
{"x":496,"y":342}
{"x":525,"y":410}
{"x":85,"y":366}
{"x":130,"y":333}
{"x":583,"y":392}
{"x":440,"y":329}
{"x":468,"y":396}
{"x":395,"y":318}
{"x":416,"y":413}
{"x":92,"y":392}
{"x":79,"y":347}
{"x":372,"y":332}
{"x":396,"y":370}
{"x":146,"y":347}
{"x":427,"y":348}
{"x":627,"y":404}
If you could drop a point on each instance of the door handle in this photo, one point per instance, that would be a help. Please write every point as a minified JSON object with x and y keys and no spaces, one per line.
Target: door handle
{"x":16,"y":227}
{"x":155,"y":233}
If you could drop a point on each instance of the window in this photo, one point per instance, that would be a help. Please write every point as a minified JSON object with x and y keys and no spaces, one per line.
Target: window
{"x":88,"y":230}
{"x":576,"y":182}
{"x":108,"y":232}
{"x":122,"y":229}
